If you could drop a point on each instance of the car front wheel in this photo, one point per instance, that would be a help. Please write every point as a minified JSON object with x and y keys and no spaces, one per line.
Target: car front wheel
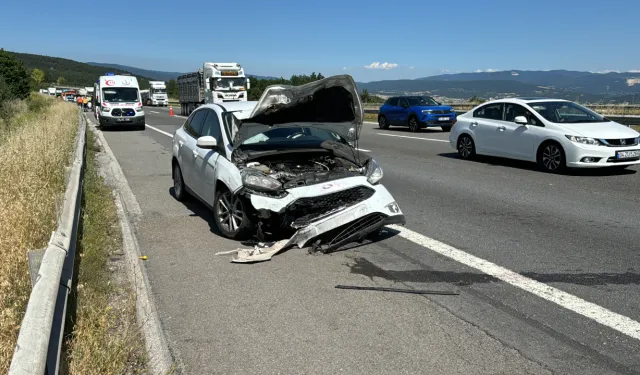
{"x":231,"y":215}
{"x":382,"y":122}
{"x":551,"y":158}
{"x":413,"y":124}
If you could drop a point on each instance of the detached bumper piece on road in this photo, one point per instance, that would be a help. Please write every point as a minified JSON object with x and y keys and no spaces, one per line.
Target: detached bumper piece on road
{"x":360,"y":212}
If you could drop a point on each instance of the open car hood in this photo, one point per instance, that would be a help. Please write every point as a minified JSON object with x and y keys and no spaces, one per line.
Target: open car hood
{"x":331,"y":102}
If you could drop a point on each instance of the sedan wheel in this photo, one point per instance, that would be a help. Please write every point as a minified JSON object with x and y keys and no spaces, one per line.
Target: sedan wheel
{"x":466,"y":147}
{"x":179,"y":189}
{"x":551,"y":158}
{"x":230,"y":214}
{"x":413,"y":124}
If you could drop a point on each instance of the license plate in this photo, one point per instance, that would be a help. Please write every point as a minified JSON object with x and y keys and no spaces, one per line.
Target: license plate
{"x":443,"y":119}
{"x":628,"y":154}
{"x":124,"y":120}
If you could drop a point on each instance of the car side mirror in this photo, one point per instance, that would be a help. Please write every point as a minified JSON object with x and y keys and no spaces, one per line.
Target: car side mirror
{"x":248,"y":83}
{"x":207,"y":142}
{"x":521,"y":120}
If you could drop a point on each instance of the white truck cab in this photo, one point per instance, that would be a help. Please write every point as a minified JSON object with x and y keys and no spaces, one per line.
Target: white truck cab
{"x":156,"y":95}
{"x":119,"y":102}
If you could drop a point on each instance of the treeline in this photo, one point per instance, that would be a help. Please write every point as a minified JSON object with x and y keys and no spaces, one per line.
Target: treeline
{"x":60,"y":71}
{"x":259,"y":85}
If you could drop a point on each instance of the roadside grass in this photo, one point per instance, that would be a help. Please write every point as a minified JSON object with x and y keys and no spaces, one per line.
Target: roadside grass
{"x":36,"y":142}
{"x":106,"y":338}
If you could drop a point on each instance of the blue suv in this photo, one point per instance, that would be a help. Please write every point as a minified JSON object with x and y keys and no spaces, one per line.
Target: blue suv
{"x":416,"y":112}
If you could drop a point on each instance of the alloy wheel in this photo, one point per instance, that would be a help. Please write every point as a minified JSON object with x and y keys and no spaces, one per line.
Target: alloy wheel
{"x":551,"y":157}
{"x":465,"y":147}
{"x":413,"y":124}
{"x":230,"y":212}
{"x":382,"y":122}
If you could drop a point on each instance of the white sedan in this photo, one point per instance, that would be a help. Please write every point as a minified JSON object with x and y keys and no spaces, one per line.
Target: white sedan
{"x":556,"y":134}
{"x":284,"y":165}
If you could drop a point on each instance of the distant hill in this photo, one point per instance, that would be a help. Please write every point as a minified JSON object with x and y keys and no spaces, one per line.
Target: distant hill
{"x":75,"y":73}
{"x":156,"y":74}
{"x":573,"y":85}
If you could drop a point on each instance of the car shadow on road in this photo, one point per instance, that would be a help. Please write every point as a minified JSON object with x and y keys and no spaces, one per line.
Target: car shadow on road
{"x":530,"y":166}
{"x":116,"y":128}
{"x":401,"y":129}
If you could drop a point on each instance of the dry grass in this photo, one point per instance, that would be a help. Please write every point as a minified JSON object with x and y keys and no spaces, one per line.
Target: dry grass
{"x":34,"y":149}
{"x":106,"y":338}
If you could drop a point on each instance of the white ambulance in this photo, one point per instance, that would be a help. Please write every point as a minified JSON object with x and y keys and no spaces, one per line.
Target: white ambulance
{"x":119,"y":102}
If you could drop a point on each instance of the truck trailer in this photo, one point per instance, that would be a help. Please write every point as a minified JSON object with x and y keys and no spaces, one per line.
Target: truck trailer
{"x":214,"y":83}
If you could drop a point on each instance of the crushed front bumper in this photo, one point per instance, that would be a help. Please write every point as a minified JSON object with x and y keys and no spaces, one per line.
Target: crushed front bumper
{"x":330,"y":230}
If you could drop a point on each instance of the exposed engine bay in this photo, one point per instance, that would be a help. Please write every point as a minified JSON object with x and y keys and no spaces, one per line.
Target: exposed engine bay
{"x":295,"y":170}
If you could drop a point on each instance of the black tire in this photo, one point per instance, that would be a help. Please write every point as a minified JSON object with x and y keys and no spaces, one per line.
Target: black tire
{"x":446,"y":129}
{"x":234,"y":225}
{"x":551,"y":158}
{"x":466,"y":147}
{"x":382,"y":122}
{"x":414,"y":126}
{"x":179,"y":188}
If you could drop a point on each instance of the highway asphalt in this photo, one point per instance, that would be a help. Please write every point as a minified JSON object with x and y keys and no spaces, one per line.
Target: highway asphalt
{"x":577,"y":233}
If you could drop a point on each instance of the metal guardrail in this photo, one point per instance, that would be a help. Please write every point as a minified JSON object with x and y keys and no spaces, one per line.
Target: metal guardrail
{"x":629,"y":120}
{"x":39,"y":343}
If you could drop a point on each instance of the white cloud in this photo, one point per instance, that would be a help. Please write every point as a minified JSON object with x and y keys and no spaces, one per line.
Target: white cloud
{"x":445,"y":71}
{"x":606,"y":71}
{"x":412,"y":67}
{"x":479,"y":71}
{"x":344,"y":68}
{"x":486,"y":70}
{"x":378,"y":65}
{"x":634,"y":71}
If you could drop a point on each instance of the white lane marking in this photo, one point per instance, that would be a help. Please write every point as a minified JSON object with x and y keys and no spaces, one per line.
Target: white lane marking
{"x":154,"y":112}
{"x":587,"y":309}
{"x":159,"y":131}
{"x":420,"y":138}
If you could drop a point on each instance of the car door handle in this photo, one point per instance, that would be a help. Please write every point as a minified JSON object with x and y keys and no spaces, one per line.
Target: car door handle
{"x":474,"y":124}
{"x":195,"y":154}
{"x":502,"y":128}
{"x":180,"y":143}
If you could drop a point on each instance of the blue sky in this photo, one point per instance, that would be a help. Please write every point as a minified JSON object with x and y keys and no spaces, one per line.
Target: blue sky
{"x":280,"y":38}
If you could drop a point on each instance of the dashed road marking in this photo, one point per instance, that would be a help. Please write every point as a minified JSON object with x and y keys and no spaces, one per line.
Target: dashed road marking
{"x":420,"y":138}
{"x":587,"y":309}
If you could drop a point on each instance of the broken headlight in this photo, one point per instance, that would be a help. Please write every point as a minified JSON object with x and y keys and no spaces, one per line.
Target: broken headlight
{"x":374,"y":172}
{"x":260,"y":181}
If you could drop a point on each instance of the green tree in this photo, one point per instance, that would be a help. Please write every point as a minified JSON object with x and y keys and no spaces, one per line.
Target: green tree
{"x":61,"y":80}
{"x":172,"y":88}
{"x":37,"y":76}
{"x":15,"y":77}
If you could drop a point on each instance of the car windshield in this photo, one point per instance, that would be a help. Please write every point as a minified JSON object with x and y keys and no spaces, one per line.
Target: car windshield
{"x":120,"y":94}
{"x":229,"y":83}
{"x":566,"y":113}
{"x":158,"y":91}
{"x":291,"y":137}
{"x":421,"y":100}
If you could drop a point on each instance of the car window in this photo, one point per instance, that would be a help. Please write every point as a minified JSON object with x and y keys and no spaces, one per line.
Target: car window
{"x":514,"y":110}
{"x":194,"y":125}
{"x":211,"y":126}
{"x":402,"y":101}
{"x":392,"y":101}
{"x":566,"y":112}
{"x":490,"y":111}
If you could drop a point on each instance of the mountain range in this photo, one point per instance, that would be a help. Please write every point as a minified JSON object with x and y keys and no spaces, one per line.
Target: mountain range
{"x":566,"y":84}
{"x":156,"y":74}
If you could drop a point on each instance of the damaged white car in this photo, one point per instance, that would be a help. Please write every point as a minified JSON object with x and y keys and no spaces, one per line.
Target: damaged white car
{"x":284,"y":165}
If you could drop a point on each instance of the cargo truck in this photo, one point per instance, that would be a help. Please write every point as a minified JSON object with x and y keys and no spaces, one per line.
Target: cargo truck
{"x":156,"y":95}
{"x":52,"y":91}
{"x":214,"y":83}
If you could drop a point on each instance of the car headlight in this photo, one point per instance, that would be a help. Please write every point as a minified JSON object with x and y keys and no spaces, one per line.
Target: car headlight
{"x":374,"y":172}
{"x":427,"y":111}
{"x":259,"y":181}
{"x":584,"y":140}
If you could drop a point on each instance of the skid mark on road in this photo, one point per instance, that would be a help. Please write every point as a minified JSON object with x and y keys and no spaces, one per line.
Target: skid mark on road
{"x":420,"y":138}
{"x":159,"y":131}
{"x":587,"y":309}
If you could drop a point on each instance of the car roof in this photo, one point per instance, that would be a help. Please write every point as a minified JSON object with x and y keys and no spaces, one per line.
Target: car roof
{"x":525,"y":100}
